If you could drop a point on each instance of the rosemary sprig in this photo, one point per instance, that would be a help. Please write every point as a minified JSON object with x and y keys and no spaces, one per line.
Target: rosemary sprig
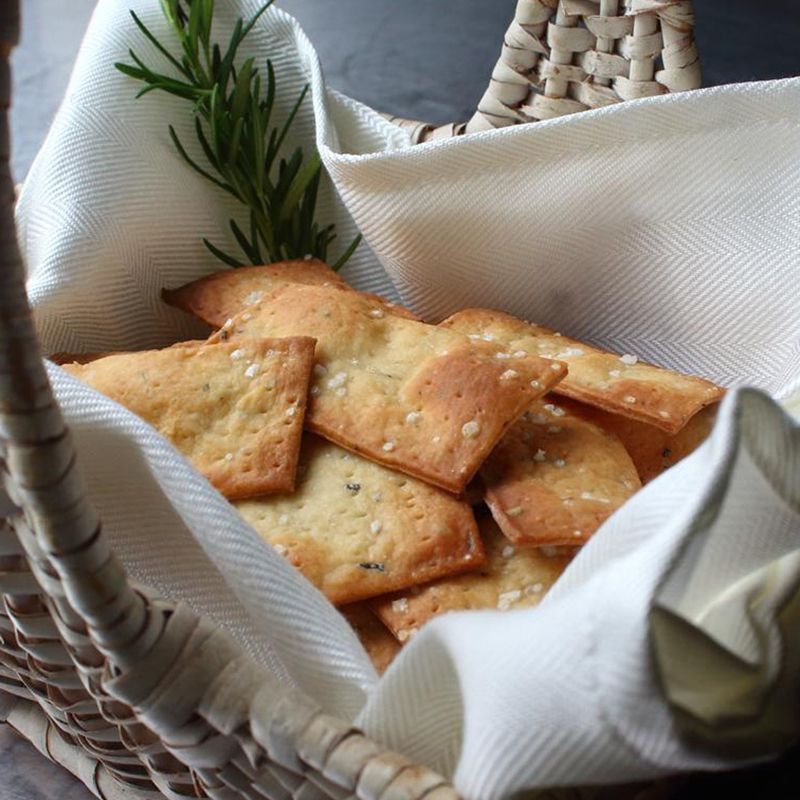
{"x":233,"y":116}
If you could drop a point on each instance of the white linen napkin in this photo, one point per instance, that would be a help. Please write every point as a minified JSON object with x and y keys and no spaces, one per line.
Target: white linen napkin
{"x":666,"y":227}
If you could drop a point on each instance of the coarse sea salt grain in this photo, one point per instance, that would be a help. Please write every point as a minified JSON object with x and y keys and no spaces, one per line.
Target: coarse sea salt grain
{"x":253,"y":297}
{"x":375,"y":526}
{"x":229,"y":456}
{"x":314,"y":391}
{"x":507,"y":551}
{"x":339,"y":379}
{"x":400,"y":606}
{"x":502,"y":355}
{"x":540,"y":456}
{"x":556,"y":411}
{"x":509,"y":374}
{"x":664,"y":414}
{"x":237,"y":354}
{"x":614,"y":373}
{"x":570,"y":352}
{"x":559,"y":462}
{"x":470,"y":429}
{"x":377,"y":313}
{"x":291,"y":411}
{"x":629,"y":359}
{"x":388,"y":447}
{"x":413,"y":417}
{"x":629,"y":399}
{"x":514,"y":512}
{"x":251,"y":371}
{"x":507,"y":599}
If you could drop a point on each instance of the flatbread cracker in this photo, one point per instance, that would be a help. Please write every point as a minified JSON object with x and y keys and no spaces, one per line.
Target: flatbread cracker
{"x":619,"y":384}
{"x":217,"y":297}
{"x":378,"y":641}
{"x":510,"y":578}
{"x":234,"y":410}
{"x":357,"y":530}
{"x":653,"y":451}
{"x":555,"y":477}
{"x":420,"y":399}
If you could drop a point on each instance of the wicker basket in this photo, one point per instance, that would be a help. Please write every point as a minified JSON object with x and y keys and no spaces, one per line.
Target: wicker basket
{"x":138,"y":697}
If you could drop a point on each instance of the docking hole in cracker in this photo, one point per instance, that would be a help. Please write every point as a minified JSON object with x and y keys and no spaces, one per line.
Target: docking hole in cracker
{"x":424,"y":400}
{"x":356,"y":529}
{"x":234,"y":410}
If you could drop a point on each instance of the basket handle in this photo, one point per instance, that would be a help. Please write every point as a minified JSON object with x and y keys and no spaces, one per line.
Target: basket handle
{"x":566,"y":56}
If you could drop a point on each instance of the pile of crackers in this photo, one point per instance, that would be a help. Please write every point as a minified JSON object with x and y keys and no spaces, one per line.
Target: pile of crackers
{"x":406,"y":469}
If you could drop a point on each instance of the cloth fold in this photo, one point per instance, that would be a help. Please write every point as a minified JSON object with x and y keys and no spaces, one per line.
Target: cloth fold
{"x":666,"y":227}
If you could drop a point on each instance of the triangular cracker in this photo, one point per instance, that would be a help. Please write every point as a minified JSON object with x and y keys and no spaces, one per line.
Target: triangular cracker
{"x":653,"y":451}
{"x":357,"y":530}
{"x":510,"y":578}
{"x":555,"y":477}
{"x":620,"y":384}
{"x":217,"y":297}
{"x":420,"y":399}
{"x":234,"y":410}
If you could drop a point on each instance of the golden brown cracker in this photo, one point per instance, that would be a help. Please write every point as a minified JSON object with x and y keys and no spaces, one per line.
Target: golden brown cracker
{"x":510,"y":578}
{"x":619,"y":384}
{"x":234,"y":410}
{"x":417,"y":398}
{"x":653,"y":450}
{"x":219,"y":296}
{"x":356,"y":529}
{"x":376,"y":638}
{"x":555,"y":477}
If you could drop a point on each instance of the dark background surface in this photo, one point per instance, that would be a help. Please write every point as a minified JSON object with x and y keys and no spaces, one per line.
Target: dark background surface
{"x":431,"y":59}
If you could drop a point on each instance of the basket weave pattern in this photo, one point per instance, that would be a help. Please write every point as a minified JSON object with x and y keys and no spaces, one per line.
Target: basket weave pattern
{"x":565,"y":56}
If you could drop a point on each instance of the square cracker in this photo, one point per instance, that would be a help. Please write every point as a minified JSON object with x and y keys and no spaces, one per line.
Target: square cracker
{"x":234,"y":410}
{"x":357,"y":530}
{"x":619,"y":384}
{"x":555,"y":477}
{"x":377,"y":639}
{"x":653,"y":450}
{"x":217,"y":297}
{"x":421,"y":399}
{"x":510,"y":578}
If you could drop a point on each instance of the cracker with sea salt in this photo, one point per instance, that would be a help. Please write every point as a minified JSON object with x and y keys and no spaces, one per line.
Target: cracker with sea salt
{"x":555,"y":477}
{"x":356,"y":529}
{"x":217,"y":297}
{"x":653,"y":450}
{"x":510,"y":578}
{"x":418,"y":398}
{"x":620,"y":384}
{"x":234,"y":410}
{"x":376,"y":638}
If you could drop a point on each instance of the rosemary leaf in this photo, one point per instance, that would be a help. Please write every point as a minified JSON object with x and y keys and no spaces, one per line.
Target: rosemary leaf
{"x":239,"y":139}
